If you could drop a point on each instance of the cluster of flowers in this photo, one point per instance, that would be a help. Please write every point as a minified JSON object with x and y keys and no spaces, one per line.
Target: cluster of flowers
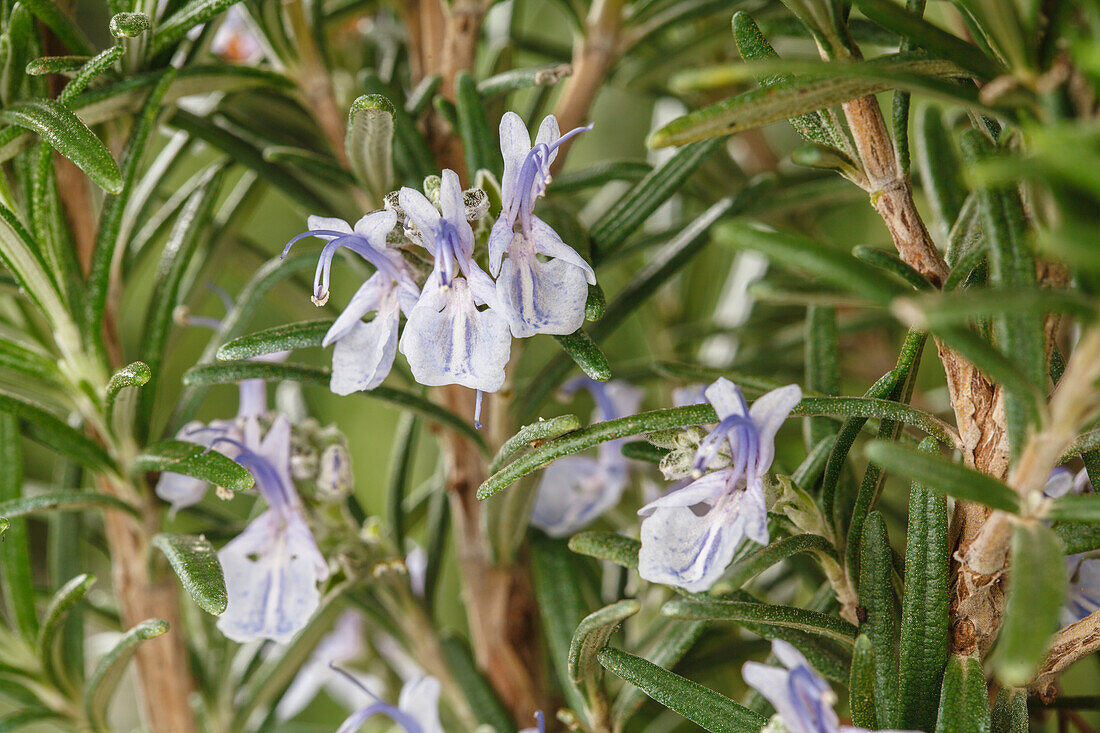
{"x":460,"y":322}
{"x":689,"y":535}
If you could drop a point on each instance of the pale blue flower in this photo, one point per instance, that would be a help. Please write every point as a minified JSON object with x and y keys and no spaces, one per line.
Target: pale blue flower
{"x":221,"y":435}
{"x":536,"y":296}
{"x":417,"y":709}
{"x":803,"y":701}
{"x":447,"y":339}
{"x":690,"y":534}
{"x":364,"y":351}
{"x":1083,"y":594}
{"x":341,"y":645}
{"x":1060,"y":483}
{"x":575,"y":490}
{"x":273,"y":567}
{"x":1082,"y":569}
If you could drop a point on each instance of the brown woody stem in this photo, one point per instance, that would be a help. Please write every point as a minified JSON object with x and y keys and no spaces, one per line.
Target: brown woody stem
{"x":978,"y":559}
{"x":498,"y":597}
{"x":163,"y":670}
{"x":593,"y":55}
{"x":1071,"y":644}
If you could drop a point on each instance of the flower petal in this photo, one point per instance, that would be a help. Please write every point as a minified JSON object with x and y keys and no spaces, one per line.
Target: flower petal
{"x":768,"y":414}
{"x":364,"y":356}
{"x":684,"y":549}
{"x":271,"y":575}
{"x":253,"y":397}
{"x":752,"y":512}
{"x":1059,"y":484}
{"x":482,"y":287}
{"x":547,"y":242}
{"x":331,"y":223}
{"x":725,"y":397}
{"x":375,"y":226}
{"x":275,"y":448}
{"x":420,"y":699}
{"x":420,"y":211}
{"x":515,"y":143}
{"x":366,"y":299}
{"x":541,"y":297}
{"x":448,"y":341}
{"x":500,"y":239}
{"x":454,"y":212}
{"x":572,"y":493}
{"x":548,"y":134}
{"x":771,"y":682}
{"x":180,"y":491}
{"x":450,"y":198}
{"x":801,"y":698}
{"x":704,"y":490}
{"x":787,"y":655}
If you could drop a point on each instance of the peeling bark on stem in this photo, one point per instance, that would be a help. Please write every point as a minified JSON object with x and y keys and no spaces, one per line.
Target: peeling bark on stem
{"x":1071,"y":644}
{"x":979,"y":551}
{"x":891,"y":192}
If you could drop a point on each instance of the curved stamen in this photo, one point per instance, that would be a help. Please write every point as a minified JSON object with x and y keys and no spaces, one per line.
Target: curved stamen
{"x":356,"y":243}
{"x":310,"y":233}
{"x":353,"y":680}
{"x":223,"y":295}
{"x":743,"y":448}
{"x":268,"y":482}
{"x":534,"y":174}
{"x":477,"y":409}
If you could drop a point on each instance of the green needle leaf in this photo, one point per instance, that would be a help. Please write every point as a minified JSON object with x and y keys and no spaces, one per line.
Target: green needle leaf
{"x":195,"y":562}
{"x":584,"y":351}
{"x":63,"y":130}
{"x":706,"y":708}
{"x":104,"y":680}
{"x":592,"y":635}
{"x":1035,"y":594}
{"x":764,"y":614}
{"x":197,"y":461}
{"x":280,"y":338}
{"x":131,"y":375}
{"x":943,"y":476}
{"x":607,"y":546}
{"x":54,"y":621}
{"x":369,"y":143}
{"x":63,"y":501}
